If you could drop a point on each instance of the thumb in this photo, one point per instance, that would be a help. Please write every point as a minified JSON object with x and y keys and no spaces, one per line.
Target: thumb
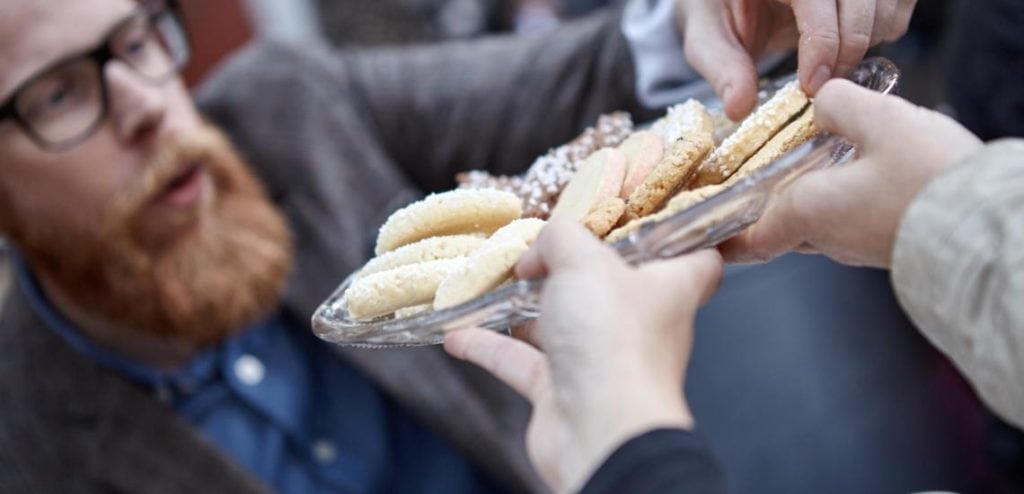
{"x":858,"y":114}
{"x":713,"y":50}
{"x":563,"y":245}
{"x":698,"y":274}
{"x":517,"y":364}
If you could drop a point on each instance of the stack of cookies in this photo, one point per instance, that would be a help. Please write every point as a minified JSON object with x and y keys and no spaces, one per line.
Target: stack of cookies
{"x":453,"y":247}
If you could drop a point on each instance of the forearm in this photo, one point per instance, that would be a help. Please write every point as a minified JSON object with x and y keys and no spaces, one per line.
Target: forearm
{"x":957,"y":269}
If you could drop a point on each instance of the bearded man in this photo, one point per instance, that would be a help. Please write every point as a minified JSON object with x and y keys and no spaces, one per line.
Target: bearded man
{"x":157,"y":339}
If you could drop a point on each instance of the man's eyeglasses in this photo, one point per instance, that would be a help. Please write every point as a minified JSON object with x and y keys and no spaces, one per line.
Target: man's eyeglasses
{"x":65,"y":103}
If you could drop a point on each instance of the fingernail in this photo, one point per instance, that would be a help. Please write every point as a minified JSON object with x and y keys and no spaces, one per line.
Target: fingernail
{"x":820,"y":77}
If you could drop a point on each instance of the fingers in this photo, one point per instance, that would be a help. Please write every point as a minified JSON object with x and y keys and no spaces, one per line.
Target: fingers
{"x":856,"y":24}
{"x":716,"y":53}
{"x":515,"y":363}
{"x":563,"y":245}
{"x":818,"y":24}
{"x":698,"y":275}
{"x":901,"y":21}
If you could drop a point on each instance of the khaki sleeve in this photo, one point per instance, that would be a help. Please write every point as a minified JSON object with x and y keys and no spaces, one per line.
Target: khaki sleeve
{"x":958,"y":270}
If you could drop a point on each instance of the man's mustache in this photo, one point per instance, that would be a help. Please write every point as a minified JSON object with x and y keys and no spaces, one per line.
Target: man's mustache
{"x":170,"y":157}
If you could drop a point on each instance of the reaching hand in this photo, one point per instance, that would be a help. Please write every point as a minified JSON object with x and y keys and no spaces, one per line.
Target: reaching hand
{"x":615,"y":341}
{"x":851,"y":213}
{"x":724,"y":38}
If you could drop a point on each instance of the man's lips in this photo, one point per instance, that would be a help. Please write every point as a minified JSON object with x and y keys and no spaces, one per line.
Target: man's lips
{"x":185,"y":190}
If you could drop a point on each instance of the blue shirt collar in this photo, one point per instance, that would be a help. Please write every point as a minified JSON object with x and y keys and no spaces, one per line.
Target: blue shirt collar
{"x":200,"y":368}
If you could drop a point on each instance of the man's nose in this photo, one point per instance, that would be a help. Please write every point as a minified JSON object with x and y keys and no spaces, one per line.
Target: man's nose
{"x":137,"y":106}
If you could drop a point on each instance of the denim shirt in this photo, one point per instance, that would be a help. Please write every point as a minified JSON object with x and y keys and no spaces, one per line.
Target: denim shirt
{"x":288,"y":409}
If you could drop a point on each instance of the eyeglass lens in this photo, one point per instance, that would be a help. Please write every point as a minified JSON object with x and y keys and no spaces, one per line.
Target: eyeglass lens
{"x":66,"y":103}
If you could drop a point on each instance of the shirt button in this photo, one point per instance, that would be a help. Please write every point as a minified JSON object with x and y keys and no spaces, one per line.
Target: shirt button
{"x":324,"y":452}
{"x":249,"y":370}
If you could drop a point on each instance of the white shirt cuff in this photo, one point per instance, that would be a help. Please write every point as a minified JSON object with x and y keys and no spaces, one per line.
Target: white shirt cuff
{"x":663,"y":77}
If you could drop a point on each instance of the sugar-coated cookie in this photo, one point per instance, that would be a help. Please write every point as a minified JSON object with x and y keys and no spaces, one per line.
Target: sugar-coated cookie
{"x":604,"y":216}
{"x":454,"y":212}
{"x":405,"y":286}
{"x":679,"y":202}
{"x":751,"y":135}
{"x":796,"y":133}
{"x":675,"y":169}
{"x":428,"y":249}
{"x":491,"y":264}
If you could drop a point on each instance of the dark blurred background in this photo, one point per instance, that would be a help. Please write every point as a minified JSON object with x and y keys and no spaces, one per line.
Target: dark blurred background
{"x":806,"y":376}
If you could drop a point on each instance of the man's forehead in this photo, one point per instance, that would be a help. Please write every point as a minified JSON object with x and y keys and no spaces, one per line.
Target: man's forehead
{"x":35,"y":33}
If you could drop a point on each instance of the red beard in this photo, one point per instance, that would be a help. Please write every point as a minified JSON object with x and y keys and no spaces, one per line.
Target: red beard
{"x":226,"y":271}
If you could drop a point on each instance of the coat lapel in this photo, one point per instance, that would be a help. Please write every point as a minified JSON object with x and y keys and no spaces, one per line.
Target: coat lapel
{"x":103,"y":430}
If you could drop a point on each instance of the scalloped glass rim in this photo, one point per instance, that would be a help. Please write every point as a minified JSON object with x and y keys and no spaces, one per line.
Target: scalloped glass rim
{"x":703,"y":225}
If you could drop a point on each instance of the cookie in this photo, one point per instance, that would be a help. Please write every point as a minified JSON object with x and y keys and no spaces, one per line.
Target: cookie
{"x":455,"y":212}
{"x":751,"y":135}
{"x":675,"y":169}
{"x":490,"y":266}
{"x":428,"y":249}
{"x":598,"y":179}
{"x":643,"y":150}
{"x":543,"y":182}
{"x":796,"y":133}
{"x":679,"y":202}
{"x":683,"y":120}
{"x":603,"y":217}
{"x":405,"y":286}
{"x":414,"y":310}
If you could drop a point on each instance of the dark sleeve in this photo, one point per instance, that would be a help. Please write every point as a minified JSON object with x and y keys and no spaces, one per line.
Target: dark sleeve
{"x":435,"y":110}
{"x":660,"y":461}
{"x":494,"y":103}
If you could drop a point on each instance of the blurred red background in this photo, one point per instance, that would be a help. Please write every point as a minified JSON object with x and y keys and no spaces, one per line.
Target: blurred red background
{"x":216,"y":28}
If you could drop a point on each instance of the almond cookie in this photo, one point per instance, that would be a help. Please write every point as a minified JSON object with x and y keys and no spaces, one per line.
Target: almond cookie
{"x":598,"y":179}
{"x":752,"y":134}
{"x":428,"y":249}
{"x":796,"y":133}
{"x":681,"y":201}
{"x":449,"y":213}
{"x":604,"y":216}
{"x":676,"y":168}
{"x":405,"y":286}
{"x":643,"y":150}
{"x":490,"y":266}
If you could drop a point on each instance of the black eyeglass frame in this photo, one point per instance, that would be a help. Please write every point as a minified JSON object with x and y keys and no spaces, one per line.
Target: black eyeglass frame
{"x":101,"y":56}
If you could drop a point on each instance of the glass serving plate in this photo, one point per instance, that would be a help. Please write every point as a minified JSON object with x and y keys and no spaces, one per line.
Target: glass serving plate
{"x":703,"y":225}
